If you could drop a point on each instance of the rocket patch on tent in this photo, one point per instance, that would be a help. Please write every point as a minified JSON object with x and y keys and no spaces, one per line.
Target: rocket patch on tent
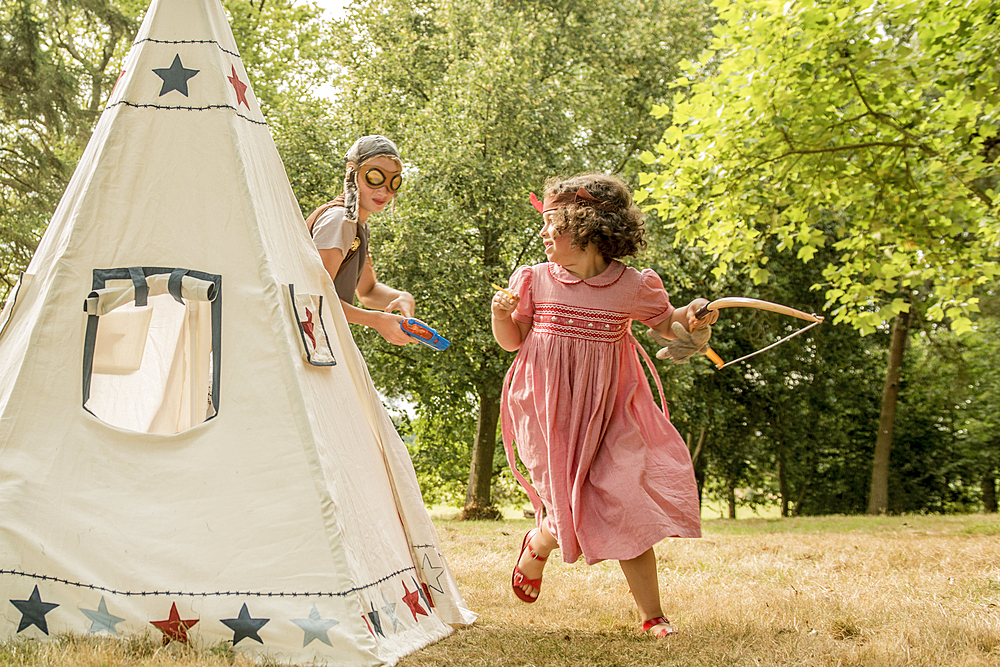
{"x":308,"y":312}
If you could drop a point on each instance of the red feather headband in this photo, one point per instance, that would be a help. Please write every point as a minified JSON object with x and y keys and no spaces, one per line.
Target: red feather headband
{"x":579,"y":198}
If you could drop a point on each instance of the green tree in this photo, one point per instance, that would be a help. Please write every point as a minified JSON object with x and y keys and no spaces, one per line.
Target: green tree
{"x":58,"y":68}
{"x":868,"y":128}
{"x":793,"y":422}
{"x":947,"y":452}
{"x":485,"y":101}
{"x":60,"y":62}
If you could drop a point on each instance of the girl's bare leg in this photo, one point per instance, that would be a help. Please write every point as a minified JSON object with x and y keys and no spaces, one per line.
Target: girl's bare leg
{"x":640,"y":573}
{"x":542,"y":542}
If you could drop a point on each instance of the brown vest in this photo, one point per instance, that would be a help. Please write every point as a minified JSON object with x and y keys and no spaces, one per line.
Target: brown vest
{"x":349,"y":273}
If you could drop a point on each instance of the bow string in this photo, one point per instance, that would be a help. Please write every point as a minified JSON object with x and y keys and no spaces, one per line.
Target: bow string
{"x":745,"y":302}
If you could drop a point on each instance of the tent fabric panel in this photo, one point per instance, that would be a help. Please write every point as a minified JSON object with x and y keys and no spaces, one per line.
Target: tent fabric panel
{"x":260,"y":500}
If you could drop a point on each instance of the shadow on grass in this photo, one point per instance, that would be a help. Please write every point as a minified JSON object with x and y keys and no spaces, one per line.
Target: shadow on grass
{"x":510,"y":645}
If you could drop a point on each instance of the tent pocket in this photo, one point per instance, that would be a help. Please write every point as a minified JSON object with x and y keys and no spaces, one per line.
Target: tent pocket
{"x":308,"y":312}
{"x":121,"y":340}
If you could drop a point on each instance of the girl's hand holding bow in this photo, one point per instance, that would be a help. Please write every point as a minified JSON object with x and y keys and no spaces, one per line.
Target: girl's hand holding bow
{"x":688,"y":334}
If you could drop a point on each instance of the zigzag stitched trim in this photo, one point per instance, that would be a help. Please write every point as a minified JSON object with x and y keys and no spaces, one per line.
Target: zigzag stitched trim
{"x":212,"y":106}
{"x":582,"y":323}
{"x":580,"y":334}
{"x":293,"y":594}
{"x":187,"y":41}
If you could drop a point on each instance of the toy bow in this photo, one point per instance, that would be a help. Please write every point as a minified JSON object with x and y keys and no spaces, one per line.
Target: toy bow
{"x":739,"y":301}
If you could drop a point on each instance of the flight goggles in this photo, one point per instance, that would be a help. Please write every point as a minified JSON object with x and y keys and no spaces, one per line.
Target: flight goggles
{"x":376,"y":178}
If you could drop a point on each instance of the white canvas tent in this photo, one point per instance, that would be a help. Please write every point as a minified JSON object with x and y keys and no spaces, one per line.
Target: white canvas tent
{"x":190,"y":443}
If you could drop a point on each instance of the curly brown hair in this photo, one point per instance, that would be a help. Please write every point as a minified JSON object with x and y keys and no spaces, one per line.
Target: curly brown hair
{"x":617,"y":233}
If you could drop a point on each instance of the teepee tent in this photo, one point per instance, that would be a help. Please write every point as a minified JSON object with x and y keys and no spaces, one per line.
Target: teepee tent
{"x":190,"y":442}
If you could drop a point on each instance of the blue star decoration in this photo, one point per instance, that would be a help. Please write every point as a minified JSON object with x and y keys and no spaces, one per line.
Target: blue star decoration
{"x":244,"y":626}
{"x":425,"y":593}
{"x":102,"y":621}
{"x":374,"y":618}
{"x":175,"y":77}
{"x":315,"y":627}
{"x":33,"y":611}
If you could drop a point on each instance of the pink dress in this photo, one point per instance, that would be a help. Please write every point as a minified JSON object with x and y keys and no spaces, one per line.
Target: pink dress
{"x":613,"y":473}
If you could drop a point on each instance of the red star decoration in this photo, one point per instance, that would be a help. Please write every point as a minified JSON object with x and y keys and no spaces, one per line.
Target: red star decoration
{"x":174,"y":629}
{"x":116,"y":82}
{"x":308,"y":326}
{"x":239,"y":87}
{"x":412,"y":600}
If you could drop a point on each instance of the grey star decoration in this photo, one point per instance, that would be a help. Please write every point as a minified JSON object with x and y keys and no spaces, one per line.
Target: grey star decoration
{"x":175,"y":77}
{"x":315,"y":627}
{"x":101,"y":620}
{"x":389,"y":609}
{"x":244,"y":626}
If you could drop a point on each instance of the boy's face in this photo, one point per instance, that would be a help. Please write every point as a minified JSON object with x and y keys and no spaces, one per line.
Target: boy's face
{"x":373,"y":199}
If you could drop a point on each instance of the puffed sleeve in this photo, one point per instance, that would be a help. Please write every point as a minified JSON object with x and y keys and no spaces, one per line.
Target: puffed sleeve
{"x":520,"y":284}
{"x":652,"y":303}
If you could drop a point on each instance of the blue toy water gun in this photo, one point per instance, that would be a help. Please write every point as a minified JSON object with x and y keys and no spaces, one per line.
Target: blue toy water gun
{"x":423,"y":333}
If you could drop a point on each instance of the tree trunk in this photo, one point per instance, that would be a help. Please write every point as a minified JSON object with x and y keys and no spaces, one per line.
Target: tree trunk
{"x":732,"y":500}
{"x":783,"y":490}
{"x":800,"y":498}
{"x":878,"y":496}
{"x":989,"y":486}
{"x":477,"y":494}
{"x":698,"y":463}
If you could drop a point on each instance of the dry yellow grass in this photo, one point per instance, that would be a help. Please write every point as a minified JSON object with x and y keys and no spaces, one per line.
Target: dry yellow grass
{"x":850,"y":591}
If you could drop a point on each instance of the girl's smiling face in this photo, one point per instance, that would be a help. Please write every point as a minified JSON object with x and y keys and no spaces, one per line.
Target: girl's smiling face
{"x":558,"y":245}
{"x":583,"y":263}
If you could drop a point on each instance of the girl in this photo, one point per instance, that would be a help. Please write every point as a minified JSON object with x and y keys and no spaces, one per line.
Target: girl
{"x":613,"y":474}
{"x":340,"y":231}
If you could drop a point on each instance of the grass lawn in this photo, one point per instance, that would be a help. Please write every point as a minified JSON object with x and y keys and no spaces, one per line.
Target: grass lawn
{"x":873,"y":591}
{"x":831,"y":591}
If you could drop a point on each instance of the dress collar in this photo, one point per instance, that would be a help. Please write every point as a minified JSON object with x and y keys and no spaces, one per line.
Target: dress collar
{"x":608,"y":277}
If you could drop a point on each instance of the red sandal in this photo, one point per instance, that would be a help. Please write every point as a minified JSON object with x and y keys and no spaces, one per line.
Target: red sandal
{"x":517,"y":578}
{"x":663,"y":631}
